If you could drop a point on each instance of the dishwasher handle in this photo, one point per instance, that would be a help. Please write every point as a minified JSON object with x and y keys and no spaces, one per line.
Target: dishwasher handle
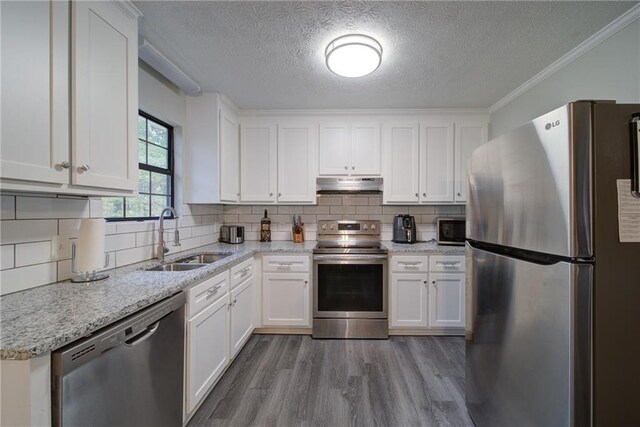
{"x":137,"y":339}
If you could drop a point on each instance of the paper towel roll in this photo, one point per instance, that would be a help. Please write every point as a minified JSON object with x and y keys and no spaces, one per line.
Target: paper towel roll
{"x":90,"y":252}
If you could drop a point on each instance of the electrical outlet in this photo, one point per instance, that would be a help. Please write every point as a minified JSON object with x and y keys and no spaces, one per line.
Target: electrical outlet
{"x":60,"y":247}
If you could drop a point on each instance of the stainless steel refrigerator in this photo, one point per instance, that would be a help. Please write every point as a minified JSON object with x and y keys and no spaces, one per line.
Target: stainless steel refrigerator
{"x":554,"y":331}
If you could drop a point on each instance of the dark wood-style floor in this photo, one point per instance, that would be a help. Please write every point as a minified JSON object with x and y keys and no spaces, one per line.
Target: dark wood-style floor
{"x":291,"y":380}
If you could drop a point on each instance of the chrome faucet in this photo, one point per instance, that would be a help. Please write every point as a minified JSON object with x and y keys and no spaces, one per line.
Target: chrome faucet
{"x":162,"y":248}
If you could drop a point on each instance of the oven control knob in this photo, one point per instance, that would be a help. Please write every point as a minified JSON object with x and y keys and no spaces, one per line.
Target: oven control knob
{"x":332,"y":227}
{"x":373,"y":226}
{"x":365,"y":227}
{"x":324,"y":226}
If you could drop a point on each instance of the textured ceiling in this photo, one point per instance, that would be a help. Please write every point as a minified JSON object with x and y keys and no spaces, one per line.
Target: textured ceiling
{"x":269,"y":55}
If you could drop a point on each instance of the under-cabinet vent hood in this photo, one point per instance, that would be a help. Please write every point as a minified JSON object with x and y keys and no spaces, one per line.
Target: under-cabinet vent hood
{"x":349,"y":186}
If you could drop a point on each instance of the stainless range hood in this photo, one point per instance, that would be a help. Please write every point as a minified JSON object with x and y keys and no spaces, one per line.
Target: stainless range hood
{"x":349,"y":186}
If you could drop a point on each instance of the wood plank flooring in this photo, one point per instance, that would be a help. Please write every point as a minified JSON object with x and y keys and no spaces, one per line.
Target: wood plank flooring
{"x":294,"y":380}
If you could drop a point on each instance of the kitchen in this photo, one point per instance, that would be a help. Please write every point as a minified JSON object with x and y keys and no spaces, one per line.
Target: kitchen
{"x":231,"y":114}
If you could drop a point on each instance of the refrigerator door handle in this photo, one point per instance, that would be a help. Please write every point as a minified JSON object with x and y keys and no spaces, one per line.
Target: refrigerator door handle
{"x":635,"y":155}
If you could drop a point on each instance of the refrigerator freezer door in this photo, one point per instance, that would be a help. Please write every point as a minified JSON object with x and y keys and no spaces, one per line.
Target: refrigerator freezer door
{"x":528,"y":344}
{"x":531,"y":189}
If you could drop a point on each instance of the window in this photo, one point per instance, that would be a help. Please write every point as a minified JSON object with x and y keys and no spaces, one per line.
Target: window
{"x":155,"y":174}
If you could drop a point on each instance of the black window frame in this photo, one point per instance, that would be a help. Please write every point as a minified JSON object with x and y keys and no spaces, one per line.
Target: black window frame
{"x":143,"y":166}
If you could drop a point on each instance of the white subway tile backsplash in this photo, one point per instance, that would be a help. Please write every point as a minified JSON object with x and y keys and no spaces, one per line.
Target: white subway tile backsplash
{"x":7,"y":260}
{"x":23,"y":231}
{"x":133,"y":255}
{"x":7,"y":207}
{"x":48,"y":207}
{"x":19,"y":279}
{"x":117,"y":242}
{"x":33,"y":253}
{"x":134,"y":227}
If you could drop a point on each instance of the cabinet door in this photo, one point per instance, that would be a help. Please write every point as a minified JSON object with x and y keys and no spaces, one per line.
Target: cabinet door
{"x":297,"y":152}
{"x":409,"y":300}
{"x":286,"y":299}
{"x":401,"y":148}
{"x":365,"y":149}
{"x":207,"y":349}
{"x":105,"y":96}
{"x":468,"y":137}
{"x":436,"y":162}
{"x":258,"y":163}
{"x":446,"y":300}
{"x":35,"y":91}
{"x":333,"y":149}
{"x":241,"y":315}
{"x":229,"y":156}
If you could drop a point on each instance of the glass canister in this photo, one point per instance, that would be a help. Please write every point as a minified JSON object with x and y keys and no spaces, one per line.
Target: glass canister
{"x":265,"y":228}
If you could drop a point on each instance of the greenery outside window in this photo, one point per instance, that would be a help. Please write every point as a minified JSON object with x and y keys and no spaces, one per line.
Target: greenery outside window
{"x":155,"y":174}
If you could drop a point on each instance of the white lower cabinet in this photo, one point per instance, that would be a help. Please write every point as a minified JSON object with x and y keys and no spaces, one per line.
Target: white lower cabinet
{"x":207,"y":349}
{"x":286,"y":299}
{"x":241,"y":315}
{"x":446,"y":300}
{"x":429,"y":299}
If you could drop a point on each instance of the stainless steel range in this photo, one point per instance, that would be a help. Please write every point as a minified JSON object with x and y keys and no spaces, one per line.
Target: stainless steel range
{"x":350,"y":281}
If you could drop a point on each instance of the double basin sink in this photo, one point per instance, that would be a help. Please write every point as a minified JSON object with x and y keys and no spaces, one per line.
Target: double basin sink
{"x":192,"y":262}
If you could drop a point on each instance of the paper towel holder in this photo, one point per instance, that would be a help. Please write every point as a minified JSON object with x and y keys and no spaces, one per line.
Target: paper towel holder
{"x":86,"y":276}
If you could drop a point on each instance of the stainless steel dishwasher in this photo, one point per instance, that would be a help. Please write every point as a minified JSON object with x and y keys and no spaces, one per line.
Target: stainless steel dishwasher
{"x":127,"y":374}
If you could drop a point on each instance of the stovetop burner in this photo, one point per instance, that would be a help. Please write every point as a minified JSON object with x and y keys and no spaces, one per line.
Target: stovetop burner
{"x":349,"y":237}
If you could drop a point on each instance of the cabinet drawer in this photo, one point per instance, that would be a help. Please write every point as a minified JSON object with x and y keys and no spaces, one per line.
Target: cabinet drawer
{"x":409,"y":263}
{"x":242,"y":271}
{"x":294,"y":264}
{"x":207,"y":292}
{"x":446,"y":263}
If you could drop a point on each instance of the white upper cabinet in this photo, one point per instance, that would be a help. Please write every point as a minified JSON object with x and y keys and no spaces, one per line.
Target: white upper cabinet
{"x":349,"y":148}
{"x":469,"y":136}
{"x":258,"y":162}
{"x":333,"y":149}
{"x":35,"y":90}
{"x":59,"y":54}
{"x":212,"y":151}
{"x":105,"y":96}
{"x":229,"y":156}
{"x":436,"y":161}
{"x":401,"y":163}
{"x":297,"y":154}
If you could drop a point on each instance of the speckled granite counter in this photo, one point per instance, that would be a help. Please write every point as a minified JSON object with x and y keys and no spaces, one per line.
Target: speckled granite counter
{"x":42,"y":319}
{"x":424,"y":247}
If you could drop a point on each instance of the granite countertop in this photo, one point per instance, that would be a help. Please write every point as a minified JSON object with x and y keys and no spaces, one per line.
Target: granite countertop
{"x":430,"y":247}
{"x":42,"y":319}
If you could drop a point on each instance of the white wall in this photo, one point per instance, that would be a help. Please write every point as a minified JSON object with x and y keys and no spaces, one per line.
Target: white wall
{"x":611,"y":70}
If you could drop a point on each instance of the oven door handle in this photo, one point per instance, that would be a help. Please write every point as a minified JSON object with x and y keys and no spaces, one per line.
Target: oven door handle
{"x":349,"y":257}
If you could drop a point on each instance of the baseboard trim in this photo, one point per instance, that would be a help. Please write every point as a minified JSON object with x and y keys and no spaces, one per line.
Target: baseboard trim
{"x":392,"y":331}
{"x":283,"y":331}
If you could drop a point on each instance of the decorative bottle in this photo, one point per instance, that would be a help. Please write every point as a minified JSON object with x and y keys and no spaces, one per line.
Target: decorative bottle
{"x":265,"y":228}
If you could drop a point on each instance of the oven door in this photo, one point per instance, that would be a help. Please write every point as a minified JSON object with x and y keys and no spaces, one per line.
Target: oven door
{"x":350,"y":286}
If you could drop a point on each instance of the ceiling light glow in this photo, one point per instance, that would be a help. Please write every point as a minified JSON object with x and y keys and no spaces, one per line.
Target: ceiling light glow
{"x":353,"y":55}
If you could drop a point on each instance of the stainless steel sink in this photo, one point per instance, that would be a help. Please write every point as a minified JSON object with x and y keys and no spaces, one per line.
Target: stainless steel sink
{"x":204,"y":258}
{"x":176,"y":267}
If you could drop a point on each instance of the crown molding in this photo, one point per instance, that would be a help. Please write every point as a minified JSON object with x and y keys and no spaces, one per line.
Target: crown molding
{"x":366,"y":112}
{"x":128,"y":8}
{"x":612,"y":28}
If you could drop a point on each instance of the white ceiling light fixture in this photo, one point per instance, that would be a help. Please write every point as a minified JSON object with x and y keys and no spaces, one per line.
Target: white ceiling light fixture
{"x":353,"y":55}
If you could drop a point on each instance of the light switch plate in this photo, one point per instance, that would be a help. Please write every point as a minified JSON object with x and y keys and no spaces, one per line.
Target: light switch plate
{"x":60,"y":247}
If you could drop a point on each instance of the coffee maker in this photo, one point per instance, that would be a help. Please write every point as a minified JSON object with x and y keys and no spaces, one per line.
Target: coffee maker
{"x":404,"y":229}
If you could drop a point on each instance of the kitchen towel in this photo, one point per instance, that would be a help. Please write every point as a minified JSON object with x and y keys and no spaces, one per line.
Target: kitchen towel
{"x":90,"y":250}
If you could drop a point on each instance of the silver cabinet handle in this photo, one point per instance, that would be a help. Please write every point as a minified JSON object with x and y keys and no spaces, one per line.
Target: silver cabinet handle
{"x":84,"y":168}
{"x":635,"y":155}
{"x":64,"y":165}
{"x":346,"y":167}
{"x":353,"y":168}
{"x":434,"y":282}
{"x":279,"y":194}
{"x":235,"y":301}
{"x":424,"y":194}
{"x":416,"y":194}
{"x":270,"y":194}
{"x":459,"y":194}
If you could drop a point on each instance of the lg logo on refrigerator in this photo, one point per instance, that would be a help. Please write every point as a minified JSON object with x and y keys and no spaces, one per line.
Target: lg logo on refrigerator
{"x":552,"y":124}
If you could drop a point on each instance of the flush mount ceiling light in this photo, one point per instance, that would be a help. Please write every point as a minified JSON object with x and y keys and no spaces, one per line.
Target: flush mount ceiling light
{"x":353,"y":55}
